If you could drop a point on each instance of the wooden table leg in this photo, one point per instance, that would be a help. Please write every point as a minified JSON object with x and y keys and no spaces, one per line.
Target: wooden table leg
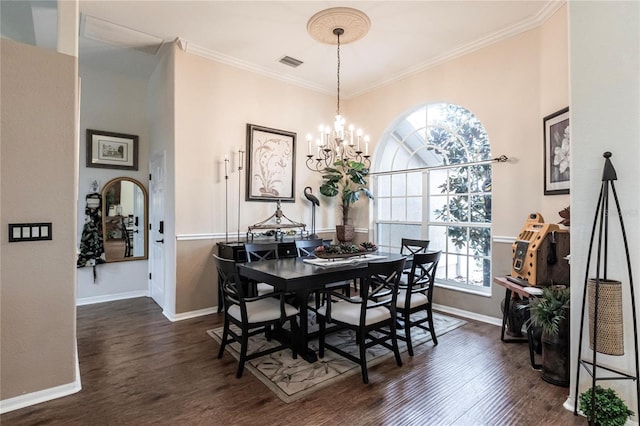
{"x":305,"y":352}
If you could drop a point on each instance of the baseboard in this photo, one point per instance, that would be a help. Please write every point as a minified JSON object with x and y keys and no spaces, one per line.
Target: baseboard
{"x":467,"y":314}
{"x":112,"y":297}
{"x":44,"y":395}
{"x":191,"y":314}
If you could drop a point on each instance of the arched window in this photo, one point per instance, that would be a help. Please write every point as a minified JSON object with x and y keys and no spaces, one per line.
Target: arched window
{"x":432,"y":180}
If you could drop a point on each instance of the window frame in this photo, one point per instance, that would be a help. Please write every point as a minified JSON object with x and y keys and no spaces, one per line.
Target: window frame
{"x":427,"y":224}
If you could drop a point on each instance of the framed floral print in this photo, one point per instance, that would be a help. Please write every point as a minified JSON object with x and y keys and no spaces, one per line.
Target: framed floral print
{"x":270,"y":164}
{"x":557,"y":153}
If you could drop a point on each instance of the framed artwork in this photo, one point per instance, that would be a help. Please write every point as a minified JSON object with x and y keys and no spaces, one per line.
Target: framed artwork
{"x":111,"y":150}
{"x":270,"y":164}
{"x":557,"y":153}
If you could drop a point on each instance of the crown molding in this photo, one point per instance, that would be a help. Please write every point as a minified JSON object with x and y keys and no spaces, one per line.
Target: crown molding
{"x":247,"y":66}
{"x":527,"y":24}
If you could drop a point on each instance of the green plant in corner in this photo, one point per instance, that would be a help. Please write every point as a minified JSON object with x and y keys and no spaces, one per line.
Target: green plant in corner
{"x":346,"y":178}
{"x":548,"y":311}
{"x":610,"y":410}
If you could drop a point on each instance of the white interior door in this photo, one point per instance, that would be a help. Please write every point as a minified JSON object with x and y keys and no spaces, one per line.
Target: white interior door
{"x":156,"y":235}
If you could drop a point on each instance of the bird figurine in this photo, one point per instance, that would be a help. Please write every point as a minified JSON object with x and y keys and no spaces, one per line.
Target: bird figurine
{"x":314,"y":202}
{"x":309,"y":196}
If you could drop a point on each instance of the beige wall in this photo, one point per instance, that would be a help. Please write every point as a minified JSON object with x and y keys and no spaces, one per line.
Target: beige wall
{"x":38,"y":175}
{"x":197,"y":281}
{"x":213,"y":104}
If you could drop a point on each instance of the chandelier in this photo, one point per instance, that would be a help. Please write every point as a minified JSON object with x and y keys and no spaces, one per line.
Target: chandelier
{"x":340,"y":142}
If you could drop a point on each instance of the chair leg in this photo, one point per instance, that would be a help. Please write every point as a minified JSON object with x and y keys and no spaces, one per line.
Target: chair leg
{"x":407,"y":334}
{"x":363,"y":357}
{"x":394,"y":343}
{"x":225,"y":335}
{"x":243,"y":354}
{"x":431,"y":328}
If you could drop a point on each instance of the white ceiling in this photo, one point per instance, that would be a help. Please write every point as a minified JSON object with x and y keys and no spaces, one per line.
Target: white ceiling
{"x":405,"y":36}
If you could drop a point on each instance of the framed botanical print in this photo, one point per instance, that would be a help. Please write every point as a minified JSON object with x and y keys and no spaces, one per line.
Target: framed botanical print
{"x":270,"y":164}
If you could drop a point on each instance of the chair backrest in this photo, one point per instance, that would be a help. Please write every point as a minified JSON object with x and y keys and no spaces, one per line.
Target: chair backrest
{"x":381,"y":283}
{"x":227,"y":280}
{"x":261,"y":251}
{"x":307,"y":247}
{"x":411,"y":247}
{"x":423,"y":274}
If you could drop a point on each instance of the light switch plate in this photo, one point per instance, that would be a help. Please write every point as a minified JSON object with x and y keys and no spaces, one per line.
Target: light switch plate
{"x":29,"y":232}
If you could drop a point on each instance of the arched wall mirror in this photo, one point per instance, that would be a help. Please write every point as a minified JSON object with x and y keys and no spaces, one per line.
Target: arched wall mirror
{"x":124,"y":220}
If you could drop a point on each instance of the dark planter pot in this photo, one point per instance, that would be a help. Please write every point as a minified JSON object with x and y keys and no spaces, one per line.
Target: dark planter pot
{"x":345,"y":233}
{"x":555,"y":356}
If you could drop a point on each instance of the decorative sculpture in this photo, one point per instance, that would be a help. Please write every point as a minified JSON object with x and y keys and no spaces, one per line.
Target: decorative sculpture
{"x":314,"y":202}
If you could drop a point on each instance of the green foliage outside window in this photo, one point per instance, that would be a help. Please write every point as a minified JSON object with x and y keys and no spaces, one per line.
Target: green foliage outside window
{"x":471,"y":183}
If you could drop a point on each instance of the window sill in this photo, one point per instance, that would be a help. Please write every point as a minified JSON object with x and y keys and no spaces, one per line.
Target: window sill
{"x":482,"y":292}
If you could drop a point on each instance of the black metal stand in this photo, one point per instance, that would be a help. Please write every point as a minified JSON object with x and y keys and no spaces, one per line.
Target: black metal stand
{"x":601,"y":221}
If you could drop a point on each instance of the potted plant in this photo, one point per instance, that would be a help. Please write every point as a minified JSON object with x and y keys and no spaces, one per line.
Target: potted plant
{"x":610,"y":410}
{"x":550,"y":312}
{"x":346,"y":178}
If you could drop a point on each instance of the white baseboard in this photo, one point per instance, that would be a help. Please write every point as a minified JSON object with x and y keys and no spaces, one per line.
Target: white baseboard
{"x":191,"y":314}
{"x":44,"y":395}
{"x":467,"y":314}
{"x":112,"y":297}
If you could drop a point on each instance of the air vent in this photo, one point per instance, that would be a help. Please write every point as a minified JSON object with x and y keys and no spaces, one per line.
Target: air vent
{"x":292,"y":62}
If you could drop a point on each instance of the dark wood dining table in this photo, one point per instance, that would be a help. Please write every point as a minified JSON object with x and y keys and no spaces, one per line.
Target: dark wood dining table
{"x":295,"y":276}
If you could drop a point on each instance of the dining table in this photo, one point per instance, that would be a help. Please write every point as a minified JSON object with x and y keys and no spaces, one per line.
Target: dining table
{"x":302,"y":276}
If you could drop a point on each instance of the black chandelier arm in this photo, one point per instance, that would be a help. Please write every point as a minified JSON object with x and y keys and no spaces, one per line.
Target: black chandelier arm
{"x":327,"y":158}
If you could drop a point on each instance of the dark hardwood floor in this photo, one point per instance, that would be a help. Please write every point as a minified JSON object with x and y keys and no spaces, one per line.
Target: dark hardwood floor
{"x":138,"y":368}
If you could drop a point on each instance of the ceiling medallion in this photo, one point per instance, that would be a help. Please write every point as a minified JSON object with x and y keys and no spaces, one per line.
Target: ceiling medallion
{"x":355,"y":23}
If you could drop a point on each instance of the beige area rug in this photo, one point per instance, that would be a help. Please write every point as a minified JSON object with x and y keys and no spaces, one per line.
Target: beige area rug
{"x":292,"y":379}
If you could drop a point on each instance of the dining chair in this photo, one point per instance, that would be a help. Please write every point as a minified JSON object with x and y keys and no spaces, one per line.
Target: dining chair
{"x":373,"y":311}
{"x":410,"y":246}
{"x":307,"y":248}
{"x":252,"y":315}
{"x":261,"y":251}
{"x":416,"y":295}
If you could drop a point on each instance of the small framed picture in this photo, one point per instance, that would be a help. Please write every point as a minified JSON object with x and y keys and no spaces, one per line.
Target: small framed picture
{"x":557,"y":153}
{"x":111,"y":150}
{"x":270,"y":164}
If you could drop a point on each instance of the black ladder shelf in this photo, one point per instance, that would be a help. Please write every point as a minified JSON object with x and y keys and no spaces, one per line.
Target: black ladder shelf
{"x":601,"y":221}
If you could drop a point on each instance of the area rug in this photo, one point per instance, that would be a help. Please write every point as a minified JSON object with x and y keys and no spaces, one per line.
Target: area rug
{"x":292,"y":379}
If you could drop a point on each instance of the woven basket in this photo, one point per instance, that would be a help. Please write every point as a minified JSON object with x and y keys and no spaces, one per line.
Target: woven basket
{"x":610,"y":338}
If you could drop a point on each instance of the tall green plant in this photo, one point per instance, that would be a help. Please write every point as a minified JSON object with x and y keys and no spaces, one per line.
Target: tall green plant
{"x":347,"y":179}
